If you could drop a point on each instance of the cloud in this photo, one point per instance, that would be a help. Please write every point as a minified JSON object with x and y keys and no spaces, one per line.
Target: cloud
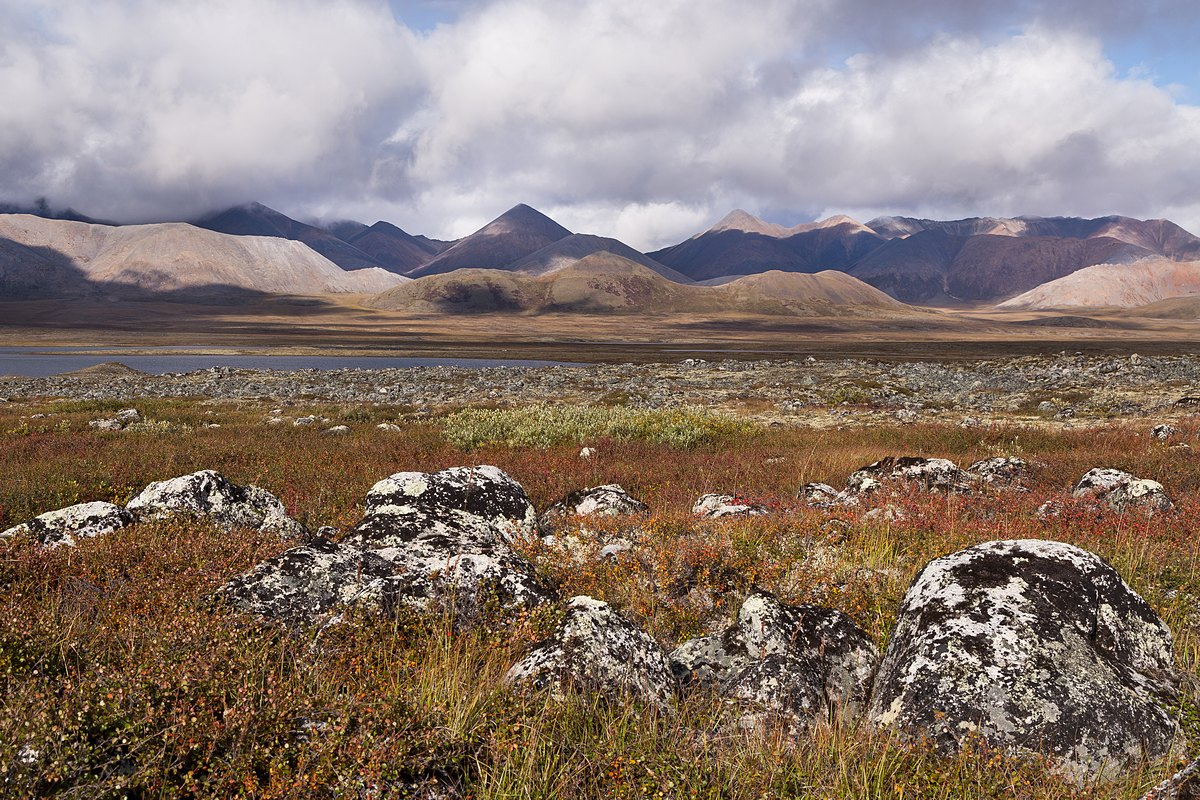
{"x":643,"y":121}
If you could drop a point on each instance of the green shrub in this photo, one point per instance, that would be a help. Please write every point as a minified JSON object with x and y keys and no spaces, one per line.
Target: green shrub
{"x":545,"y":426}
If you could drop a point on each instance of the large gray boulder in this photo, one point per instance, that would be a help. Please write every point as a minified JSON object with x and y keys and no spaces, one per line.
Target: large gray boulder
{"x":308,"y":582}
{"x":66,"y":526}
{"x":1121,"y":491}
{"x":926,"y":474}
{"x":803,"y":662}
{"x":210,"y":495}
{"x":598,"y":651}
{"x":1030,"y":644}
{"x":428,"y":541}
{"x":610,"y":500}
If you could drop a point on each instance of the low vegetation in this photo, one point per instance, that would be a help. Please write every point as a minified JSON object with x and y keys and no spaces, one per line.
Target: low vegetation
{"x":120,"y":678}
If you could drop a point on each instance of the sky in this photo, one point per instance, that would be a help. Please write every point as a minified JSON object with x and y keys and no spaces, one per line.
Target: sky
{"x":646,"y":121}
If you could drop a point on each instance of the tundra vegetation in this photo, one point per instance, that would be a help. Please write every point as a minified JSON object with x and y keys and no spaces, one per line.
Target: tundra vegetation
{"x":121,"y":677}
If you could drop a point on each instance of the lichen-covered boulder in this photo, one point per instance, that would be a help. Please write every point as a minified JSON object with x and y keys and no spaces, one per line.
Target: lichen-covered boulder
{"x":726,"y":505}
{"x":1122,"y":491}
{"x":1030,"y":644}
{"x":610,"y":500}
{"x":1163,"y":431}
{"x":1001,"y":472}
{"x":926,"y":474}
{"x":431,"y":540}
{"x":822,"y":495}
{"x":310,"y":581}
{"x":596,"y":650}
{"x":481,"y":495}
{"x":66,"y":526}
{"x":211,"y":495}
{"x":801,"y":661}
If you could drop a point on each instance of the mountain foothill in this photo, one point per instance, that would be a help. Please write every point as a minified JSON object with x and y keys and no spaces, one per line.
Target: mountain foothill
{"x":525,"y":262}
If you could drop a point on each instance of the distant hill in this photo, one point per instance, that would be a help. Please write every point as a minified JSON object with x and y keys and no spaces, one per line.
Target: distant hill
{"x":569,"y":250}
{"x":56,"y":258}
{"x":255,"y":219}
{"x":936,"y":267}
{"x":952,"y":262}
{"x":513,"y":235}
{"x":742,"y":244}
{"x":605,"y":282}
{"x":394,"y":249}
{"x":1150,"y":280}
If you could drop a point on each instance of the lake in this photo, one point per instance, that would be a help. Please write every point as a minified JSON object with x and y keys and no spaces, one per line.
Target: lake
{"x":38,"y":362}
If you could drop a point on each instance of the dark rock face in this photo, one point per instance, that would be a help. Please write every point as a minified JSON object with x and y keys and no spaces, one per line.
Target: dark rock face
{"x":211,"y":495}
{"x":801,"y":661}
{"x":610,"y":500}
{"x":67,"y":525}
{"x":726,"y":505}
{"x":428,"y":540}
{"x":1122,"y":491}
{"x":1030,"y":644}
{"x":927,"y":474}
{"x":596,"y":650}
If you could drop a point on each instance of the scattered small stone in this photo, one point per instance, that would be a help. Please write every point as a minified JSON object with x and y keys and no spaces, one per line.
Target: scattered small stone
{"x":389,"y":427}
{"x":304,"y":421}
{"x":587,"y":452}
{"x":336,"y":430}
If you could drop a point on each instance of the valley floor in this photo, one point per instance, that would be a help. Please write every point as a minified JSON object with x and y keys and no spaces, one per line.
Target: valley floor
{"x":118,"y":676}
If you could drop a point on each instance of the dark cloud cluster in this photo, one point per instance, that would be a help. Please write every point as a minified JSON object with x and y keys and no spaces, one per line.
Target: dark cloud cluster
{"x":640,"y":120}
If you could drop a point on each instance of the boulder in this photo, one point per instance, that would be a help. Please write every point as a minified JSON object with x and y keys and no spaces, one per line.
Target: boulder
{"x":67,"y":525}
{"x":1122,"y":491}
{"x":803,"y":662}
{"x":310,"y":581}
{"x":726,"y":505}
{"x":428,"y":541}
{"x":822,"y":495}
{"x":597,"y":650}
{"x":1163,"y":431}
{"x":1001,"y":472}
{"x":211,"y":495}
{"x":337,"y":430}
{"x":926,"y":474}
{"x":481,"y":496}
{"x":1030,"y":644}
{"x":610,"y":500}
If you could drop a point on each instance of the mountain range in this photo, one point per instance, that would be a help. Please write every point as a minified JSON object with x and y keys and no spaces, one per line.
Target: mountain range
{"x":1025,"y":263}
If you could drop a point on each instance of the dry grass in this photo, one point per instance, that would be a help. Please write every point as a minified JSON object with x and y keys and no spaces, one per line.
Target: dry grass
{"x":127,"y":682}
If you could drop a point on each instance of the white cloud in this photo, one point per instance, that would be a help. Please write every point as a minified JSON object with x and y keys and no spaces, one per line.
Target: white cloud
{"x":643,"y":121}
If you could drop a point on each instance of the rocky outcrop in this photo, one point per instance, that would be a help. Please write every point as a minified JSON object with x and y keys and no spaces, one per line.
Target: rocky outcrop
{"x":598,"y":651}
{"x":726,"y":505}
{"x":1030,"y":644}
{"x":1122,"y":491}
{"x":67,"y":525}
{"x":610,"y":500}
{"x":428,"y":540}
{"x":801,"y":662}
{"x":210,"y":495}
